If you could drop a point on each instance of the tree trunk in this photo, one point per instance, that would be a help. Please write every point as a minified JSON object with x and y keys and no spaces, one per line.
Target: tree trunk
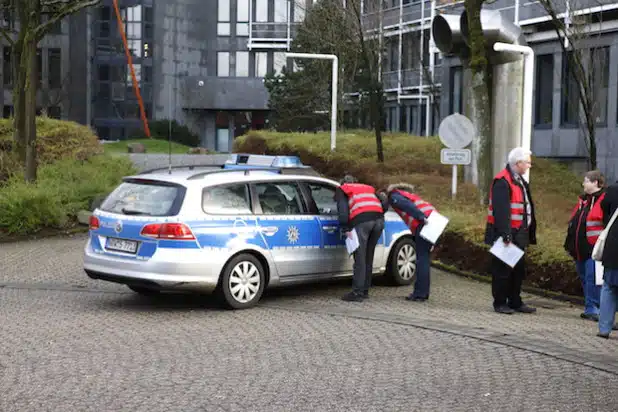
{"x":375,"y":100}
{"x":592,"y":155}
{"x":29,"y":69}
{"x":482,"y":102}
{"x":19,"y":85}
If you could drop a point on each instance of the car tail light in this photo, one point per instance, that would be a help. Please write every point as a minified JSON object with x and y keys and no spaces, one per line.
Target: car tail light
{"x":94,"y":222}
{"x":170,"y":231}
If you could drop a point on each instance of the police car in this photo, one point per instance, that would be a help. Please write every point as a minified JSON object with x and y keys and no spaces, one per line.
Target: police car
{"x":233,"y":229}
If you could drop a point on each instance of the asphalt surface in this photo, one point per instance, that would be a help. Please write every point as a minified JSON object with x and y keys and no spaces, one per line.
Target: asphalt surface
{"x":71,"y":343}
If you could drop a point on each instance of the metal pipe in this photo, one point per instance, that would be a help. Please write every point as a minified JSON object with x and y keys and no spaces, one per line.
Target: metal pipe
{"x":400,"y":51}
{"x":333,"y":109}
{"x":528,"y":99}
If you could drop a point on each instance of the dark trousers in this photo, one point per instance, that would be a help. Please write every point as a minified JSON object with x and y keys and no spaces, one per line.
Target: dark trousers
{"x":368,"y":235}
{"x":506,"y":282}
{"x":423,"y":264}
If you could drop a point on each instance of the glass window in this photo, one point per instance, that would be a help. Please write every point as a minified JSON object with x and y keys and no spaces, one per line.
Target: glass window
{"x":281,"y":11}
{"x":544,"y":89}
{"x":261,"y":64}
{"x":299,"y":11}
{"x":223,"y":64}
{"x":242,"y":11}
{"x":324,"y":198}
{"x":278,"y":62}
{"x":55,"y":112}
{"x":242,"y":64}
{"x":224,"y":10}
{"x":226,"y":200}
{"x":570,"y":93}
{"x":599,"y":82}
{"x":138,"y":198}
{"x":279,"y":198}
{"x":456,"y":98}
{"x":242,"y":29}
{"x":223,"y":29}
{"x":261,"y":10}
{"x":54,"y":64}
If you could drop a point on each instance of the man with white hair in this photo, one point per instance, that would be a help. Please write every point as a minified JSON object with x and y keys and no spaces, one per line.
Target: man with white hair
{"x":511,"y":216}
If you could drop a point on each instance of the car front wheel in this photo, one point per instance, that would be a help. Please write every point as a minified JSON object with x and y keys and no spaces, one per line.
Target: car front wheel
{"x":243,"y":281}
{"x":402,"y":262}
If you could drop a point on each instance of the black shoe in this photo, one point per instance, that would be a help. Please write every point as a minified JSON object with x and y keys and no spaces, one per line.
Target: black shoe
{"x":415,"y":298}
{"x":524,"y":309}
{"x":603,"y":335}
{"x":504,"y":309}
{"x":615,"y":327}
{"x":352,"y":297}
{"x":366,"y":294}
{"x":590,"y":316}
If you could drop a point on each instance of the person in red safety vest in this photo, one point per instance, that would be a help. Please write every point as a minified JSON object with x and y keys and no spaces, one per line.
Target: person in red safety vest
{"x":414,"y":211}
{"x":585,"y":226}
{"x":361,"y":210}
{"x":510,"y":216}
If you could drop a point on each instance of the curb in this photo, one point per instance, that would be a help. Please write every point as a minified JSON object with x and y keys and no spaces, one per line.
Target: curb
{"x":528,"y":289}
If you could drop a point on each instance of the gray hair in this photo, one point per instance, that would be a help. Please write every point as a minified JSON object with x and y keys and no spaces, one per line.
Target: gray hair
{"x":519,"y":154}
{"x":348,"y":179}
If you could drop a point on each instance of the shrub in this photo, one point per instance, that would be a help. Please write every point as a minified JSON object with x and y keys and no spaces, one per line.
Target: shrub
{"x":417,"y":160}
{"x":56,"y":139}
{"x":159,"y":129}
{"x":62,"y":189}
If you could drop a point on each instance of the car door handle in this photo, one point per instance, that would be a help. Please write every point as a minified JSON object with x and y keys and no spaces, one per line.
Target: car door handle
{"x":269,"y":230}
{"x":329,"y":229}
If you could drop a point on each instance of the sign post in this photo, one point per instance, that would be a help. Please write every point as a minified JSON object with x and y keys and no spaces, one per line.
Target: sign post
{"x":456,"y":132}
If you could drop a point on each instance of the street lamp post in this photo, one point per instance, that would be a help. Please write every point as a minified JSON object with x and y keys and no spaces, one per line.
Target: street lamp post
{"x":333,"y":110}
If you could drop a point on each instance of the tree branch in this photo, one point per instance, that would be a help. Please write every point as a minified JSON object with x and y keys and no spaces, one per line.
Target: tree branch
{"x":61,"y":13}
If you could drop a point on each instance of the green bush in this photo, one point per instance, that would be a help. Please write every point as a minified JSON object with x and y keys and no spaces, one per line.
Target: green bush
{"x":56,"y":139}
{"x":417,"y":160}
{"x":62,"y":189}
{"x":159,"y":129}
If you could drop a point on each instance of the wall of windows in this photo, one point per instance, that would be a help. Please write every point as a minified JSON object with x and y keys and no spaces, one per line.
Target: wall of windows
{"x":116,"y":113}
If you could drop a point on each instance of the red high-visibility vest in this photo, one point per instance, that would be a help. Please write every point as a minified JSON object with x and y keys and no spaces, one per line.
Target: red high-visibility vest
{"x":517,"y":201}
{"x":361,"y":199}
{"x":425,"y":207}
{"x":594,"y":220}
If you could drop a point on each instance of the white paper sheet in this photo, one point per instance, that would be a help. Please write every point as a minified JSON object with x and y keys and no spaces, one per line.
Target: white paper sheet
{"x":509,"y":254}
{"x":599,"y":270}
{"x":351,"y":243}
{"x":436,"y":223}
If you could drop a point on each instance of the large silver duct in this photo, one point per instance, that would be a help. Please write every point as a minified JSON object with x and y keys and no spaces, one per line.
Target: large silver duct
{"x":451,"y":36}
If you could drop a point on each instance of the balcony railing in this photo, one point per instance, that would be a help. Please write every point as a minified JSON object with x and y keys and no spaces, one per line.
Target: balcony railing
{"x":410,"y":78}
{"x":272,"y":34}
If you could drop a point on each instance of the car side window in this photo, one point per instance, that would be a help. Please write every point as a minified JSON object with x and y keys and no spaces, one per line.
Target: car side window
{"x":324,"y":198}
{"x":278,"y":198}
{"x":227,"y":200}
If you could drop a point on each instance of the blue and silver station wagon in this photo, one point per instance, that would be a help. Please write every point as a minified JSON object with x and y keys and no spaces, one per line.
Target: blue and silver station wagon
{"x":232,"y":229}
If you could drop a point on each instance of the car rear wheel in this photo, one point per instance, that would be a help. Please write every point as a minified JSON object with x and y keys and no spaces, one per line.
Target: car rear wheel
{"x":144,"y":291}
{"x":402,"y":262}
{"x":243,"y":281}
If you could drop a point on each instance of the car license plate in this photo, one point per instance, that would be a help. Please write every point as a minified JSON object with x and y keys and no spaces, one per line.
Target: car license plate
{"x":121,"y":245}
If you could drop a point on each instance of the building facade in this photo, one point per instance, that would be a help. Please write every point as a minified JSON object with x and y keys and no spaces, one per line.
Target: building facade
{"x":202,"y":63}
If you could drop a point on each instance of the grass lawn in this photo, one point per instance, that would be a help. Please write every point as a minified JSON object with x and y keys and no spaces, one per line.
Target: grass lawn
{"x":416,"y":160}
{"x":152,"y":146}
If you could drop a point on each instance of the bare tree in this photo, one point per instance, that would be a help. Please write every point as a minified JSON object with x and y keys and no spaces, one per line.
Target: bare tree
{"x":481,"y":101}
{"x":26,"y":29}
{"x":587,"y":65}
{"x":55,"y":96}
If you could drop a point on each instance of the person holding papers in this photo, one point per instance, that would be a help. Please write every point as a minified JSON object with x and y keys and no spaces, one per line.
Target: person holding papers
{"x":511,"y":220}
{"x":361,"y":217}
{"x":584,"y":228}
{"x":609,"y":293}
{"x":414,"y":211}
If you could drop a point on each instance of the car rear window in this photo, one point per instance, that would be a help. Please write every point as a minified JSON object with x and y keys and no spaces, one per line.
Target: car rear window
{"x":144,"y":198}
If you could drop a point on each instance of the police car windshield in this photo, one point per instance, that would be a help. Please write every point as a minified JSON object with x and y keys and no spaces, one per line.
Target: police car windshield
{"x":146,"y":198}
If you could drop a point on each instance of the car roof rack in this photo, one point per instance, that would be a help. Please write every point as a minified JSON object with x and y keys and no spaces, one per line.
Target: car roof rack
{"x":246,"y":171}
{"x":190,"y":167}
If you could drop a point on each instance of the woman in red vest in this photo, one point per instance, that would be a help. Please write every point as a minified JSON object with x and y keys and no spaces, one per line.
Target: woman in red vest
{"x":585,"y":226}
{"x":414,"y":211}
{"x":361,"y":210}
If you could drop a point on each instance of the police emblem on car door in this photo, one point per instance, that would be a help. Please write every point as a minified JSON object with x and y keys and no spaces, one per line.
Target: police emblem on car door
{"x":292,"y":235}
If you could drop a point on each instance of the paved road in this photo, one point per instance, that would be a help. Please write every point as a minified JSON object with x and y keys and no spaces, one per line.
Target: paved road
{"x":70,"y":343}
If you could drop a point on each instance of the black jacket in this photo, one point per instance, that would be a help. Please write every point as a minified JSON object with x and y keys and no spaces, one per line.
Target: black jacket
{"x":501,"y":198}
{"x":610,"y":251}
{"x":576,"y":242}
{"x":344,"y":211}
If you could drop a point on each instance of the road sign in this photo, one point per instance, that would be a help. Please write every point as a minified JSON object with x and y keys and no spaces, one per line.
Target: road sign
{"x":455,"y":156}
{"x":456,"y":131}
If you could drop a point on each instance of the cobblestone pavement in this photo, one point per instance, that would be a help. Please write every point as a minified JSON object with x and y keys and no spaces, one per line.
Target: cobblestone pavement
{"x":70,"y":343}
